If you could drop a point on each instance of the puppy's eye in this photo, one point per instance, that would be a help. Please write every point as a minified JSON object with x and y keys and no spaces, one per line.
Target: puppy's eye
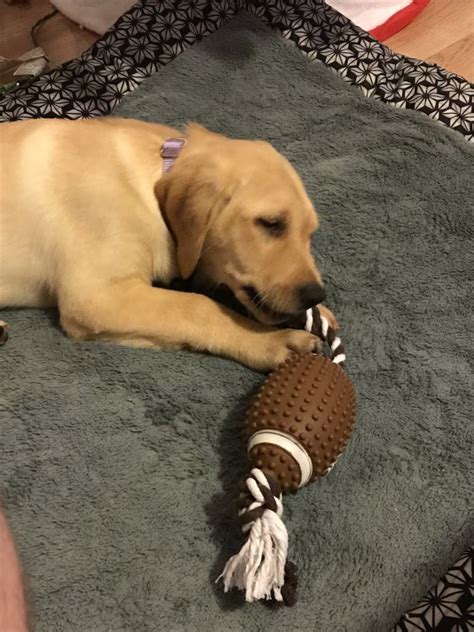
{"x":274,"y":226}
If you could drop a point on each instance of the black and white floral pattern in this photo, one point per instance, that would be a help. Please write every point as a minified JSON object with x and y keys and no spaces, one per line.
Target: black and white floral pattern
{"x":153,"y":32}
{"x":325,"y":35}
{"x":148,"y":36}
{"x":449,"y":606}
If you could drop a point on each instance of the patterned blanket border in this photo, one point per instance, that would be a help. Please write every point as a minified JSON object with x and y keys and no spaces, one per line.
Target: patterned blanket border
{"x":152,"y":33}
{"x":448,"y":606}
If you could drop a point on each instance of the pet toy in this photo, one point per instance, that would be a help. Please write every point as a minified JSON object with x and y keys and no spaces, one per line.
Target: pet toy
{"x":296,"y":427}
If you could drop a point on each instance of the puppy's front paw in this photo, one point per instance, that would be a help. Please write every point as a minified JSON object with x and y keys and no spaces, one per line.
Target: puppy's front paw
{"x":3,"y":332}
{"x":273,"y":348}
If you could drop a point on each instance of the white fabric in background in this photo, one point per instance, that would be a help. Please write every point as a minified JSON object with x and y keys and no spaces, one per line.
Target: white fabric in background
{"x":369,"y":13}
{"x":99,"y":15}
{"x":95,"y":15}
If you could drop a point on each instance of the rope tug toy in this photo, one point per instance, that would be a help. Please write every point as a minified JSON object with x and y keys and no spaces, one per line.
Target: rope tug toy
{"x":296,"y":427}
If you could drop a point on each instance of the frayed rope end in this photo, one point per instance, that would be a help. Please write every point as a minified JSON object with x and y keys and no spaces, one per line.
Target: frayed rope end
{"x":260,"y":568}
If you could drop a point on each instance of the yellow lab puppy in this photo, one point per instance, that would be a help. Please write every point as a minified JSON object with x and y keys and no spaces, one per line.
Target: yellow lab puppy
{"x":89,"y":219}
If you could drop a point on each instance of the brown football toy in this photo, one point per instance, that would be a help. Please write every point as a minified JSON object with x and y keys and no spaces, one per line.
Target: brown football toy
{"x":296,"y":427}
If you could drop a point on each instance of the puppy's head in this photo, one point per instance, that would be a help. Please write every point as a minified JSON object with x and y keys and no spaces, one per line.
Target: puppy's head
{"x":242,"y":219}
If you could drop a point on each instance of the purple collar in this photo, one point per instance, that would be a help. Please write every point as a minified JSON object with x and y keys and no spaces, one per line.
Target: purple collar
{"x":170,"y":150}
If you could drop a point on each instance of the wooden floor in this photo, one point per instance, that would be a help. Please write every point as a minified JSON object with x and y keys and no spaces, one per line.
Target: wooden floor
{"x":59,"y":37}
{"x":443,"y":33}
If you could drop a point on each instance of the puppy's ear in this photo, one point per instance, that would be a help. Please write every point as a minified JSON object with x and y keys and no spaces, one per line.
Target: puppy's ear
{"x":187,"y":198}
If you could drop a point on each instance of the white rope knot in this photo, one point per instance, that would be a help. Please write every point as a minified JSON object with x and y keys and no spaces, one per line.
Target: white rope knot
{"x":259,"y":566}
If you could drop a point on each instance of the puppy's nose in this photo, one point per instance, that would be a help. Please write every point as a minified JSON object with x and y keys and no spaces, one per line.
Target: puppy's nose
{"x":311,"y":294}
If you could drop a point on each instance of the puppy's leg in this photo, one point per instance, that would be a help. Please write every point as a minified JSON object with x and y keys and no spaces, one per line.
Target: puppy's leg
{"x":137,"y":314}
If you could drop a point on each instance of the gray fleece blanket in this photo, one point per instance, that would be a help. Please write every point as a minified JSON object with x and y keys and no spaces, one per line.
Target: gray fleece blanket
{"x":118,"y":466}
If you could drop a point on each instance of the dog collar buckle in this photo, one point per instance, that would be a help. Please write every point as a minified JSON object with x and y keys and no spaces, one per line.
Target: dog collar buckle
{"x":170,"y":150}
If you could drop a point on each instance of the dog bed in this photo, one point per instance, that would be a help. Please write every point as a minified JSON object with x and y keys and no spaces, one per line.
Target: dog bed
{"x":120,"y":465}
{"x":152,"y":33}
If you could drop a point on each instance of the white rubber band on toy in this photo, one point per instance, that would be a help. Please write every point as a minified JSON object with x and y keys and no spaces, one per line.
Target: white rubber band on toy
{"x":287,"y":443}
